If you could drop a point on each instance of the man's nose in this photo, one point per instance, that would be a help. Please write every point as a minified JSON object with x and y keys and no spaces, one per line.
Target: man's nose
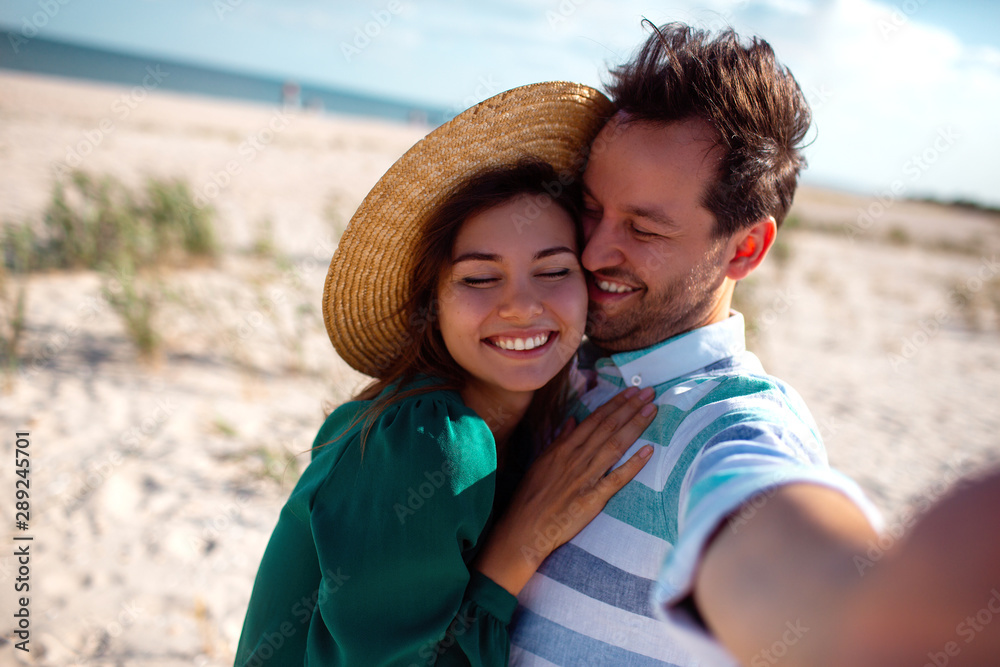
{"x":603,"y":248}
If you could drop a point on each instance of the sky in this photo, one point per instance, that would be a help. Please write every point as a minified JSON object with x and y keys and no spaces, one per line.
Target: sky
{"x":904,"y":95}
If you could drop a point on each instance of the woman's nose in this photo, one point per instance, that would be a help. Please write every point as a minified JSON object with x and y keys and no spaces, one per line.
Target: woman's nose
{"x":521,"y":302}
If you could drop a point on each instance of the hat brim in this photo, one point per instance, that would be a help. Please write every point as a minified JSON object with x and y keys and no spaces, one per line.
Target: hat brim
{"x":369,"y":277}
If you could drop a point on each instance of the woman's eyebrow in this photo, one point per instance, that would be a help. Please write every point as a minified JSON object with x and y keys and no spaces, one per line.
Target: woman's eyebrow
{"x":477,"y":257}
{"x":557,"y":250}
{"x":491,"y":257}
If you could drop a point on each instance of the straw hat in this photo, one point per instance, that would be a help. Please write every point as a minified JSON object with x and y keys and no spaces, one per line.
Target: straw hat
{"x":369,"y":276}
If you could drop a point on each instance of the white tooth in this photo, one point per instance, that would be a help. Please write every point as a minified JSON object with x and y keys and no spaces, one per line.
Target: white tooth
{"x":522,"y":343}
{"x":612,"y":287}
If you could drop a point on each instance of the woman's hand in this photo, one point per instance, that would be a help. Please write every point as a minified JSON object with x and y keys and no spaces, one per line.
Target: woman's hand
{"x":567,"y":487}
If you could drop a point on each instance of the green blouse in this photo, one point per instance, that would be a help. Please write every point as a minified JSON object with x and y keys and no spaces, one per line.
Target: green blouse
{"x":369,"y":562}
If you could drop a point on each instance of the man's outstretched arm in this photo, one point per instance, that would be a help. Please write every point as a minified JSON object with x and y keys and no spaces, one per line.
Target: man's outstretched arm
{"x":794,"y":583}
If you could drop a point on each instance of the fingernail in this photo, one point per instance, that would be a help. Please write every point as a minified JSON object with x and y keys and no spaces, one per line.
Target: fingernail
{"x":646,"y":452}
{"x":648,"y":410}
{"x":648,"y":393}
{"x":630,"y":392}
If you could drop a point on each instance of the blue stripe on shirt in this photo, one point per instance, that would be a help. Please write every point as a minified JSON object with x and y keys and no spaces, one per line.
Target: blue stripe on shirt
{"x":585,"y":573}
{"x":562,"y":646}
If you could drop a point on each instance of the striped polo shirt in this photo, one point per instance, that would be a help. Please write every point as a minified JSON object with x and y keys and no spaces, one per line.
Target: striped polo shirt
{"x":725,"y":432}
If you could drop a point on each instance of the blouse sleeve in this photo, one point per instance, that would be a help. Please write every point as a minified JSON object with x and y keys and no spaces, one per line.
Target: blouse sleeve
{"x":393,"y":527}
{"x":285,"y":592}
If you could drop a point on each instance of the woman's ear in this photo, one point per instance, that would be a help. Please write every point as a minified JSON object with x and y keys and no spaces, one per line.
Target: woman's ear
{"x":750,"y":246}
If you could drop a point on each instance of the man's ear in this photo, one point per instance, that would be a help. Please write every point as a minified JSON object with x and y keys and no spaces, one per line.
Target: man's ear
{"x":749,"y":248}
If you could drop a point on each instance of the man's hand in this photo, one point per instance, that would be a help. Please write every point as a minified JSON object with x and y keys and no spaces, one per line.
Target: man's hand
{"x":796,"y":562}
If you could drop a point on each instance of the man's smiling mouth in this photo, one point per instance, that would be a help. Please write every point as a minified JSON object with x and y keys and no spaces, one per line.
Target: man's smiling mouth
{"x":613,"y":287}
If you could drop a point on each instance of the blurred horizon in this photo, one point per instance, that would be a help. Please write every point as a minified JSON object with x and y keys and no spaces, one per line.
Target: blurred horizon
{"x":77,"y":61}
{"x":902,"y":94}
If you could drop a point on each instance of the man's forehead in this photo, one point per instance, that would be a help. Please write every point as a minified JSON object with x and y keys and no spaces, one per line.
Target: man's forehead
{"x":687,"y":150}
{"x":693,"y":130}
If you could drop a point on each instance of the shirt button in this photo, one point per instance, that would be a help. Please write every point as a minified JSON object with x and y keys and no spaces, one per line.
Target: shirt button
{"x":636,"y":380}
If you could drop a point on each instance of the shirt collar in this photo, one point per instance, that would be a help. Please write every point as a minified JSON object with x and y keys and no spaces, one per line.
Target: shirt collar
{"x":680,"y":355}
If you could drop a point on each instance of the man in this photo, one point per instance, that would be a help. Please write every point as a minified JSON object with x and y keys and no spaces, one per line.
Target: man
{"x":685,"y":189}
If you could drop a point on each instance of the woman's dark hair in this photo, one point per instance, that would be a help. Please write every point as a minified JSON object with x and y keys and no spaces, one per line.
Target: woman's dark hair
{"x":754,"y":104}
{"x":423,"y":352}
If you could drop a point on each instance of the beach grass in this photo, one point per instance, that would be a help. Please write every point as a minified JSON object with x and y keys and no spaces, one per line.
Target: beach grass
{"x":93,"y":222}
{"x":96,"y":223}
{"x":136,"y":300}
{"x":13,"y":298}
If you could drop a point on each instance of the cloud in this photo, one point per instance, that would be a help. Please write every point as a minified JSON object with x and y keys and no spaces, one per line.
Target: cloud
{"x":890,"y":84}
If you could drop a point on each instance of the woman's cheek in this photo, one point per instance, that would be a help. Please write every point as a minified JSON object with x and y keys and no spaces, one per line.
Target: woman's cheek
{"x":573,"y":301}
{"x":468,"y":307}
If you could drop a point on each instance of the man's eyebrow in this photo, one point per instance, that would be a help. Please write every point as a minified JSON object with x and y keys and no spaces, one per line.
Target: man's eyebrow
{"x":491,"y":257}
{"x":653,"y":214}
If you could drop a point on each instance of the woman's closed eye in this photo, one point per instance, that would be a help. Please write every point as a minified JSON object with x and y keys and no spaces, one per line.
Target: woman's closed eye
{"x":489,"y":281}
{"x":479,"y":281}
{"x":553,"y":274}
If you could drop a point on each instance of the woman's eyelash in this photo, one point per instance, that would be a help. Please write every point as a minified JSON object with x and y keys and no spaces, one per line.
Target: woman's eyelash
{"x":555,"y":273}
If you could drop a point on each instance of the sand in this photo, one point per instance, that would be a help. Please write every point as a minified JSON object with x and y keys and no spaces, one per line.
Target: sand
{"x":155,"y":485}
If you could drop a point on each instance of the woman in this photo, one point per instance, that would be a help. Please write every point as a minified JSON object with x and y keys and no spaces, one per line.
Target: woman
{"x":459,"y":289}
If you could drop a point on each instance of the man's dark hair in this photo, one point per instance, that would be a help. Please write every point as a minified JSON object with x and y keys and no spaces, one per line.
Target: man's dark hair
{"x":754,"y":104}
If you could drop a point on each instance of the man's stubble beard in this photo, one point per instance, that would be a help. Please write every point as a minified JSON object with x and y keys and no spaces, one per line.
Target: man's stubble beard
{"x":683,"y":306}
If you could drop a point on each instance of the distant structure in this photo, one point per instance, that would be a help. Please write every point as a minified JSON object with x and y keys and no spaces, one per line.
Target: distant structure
{"x":291,"y":95}
{"x":417,"y":117}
